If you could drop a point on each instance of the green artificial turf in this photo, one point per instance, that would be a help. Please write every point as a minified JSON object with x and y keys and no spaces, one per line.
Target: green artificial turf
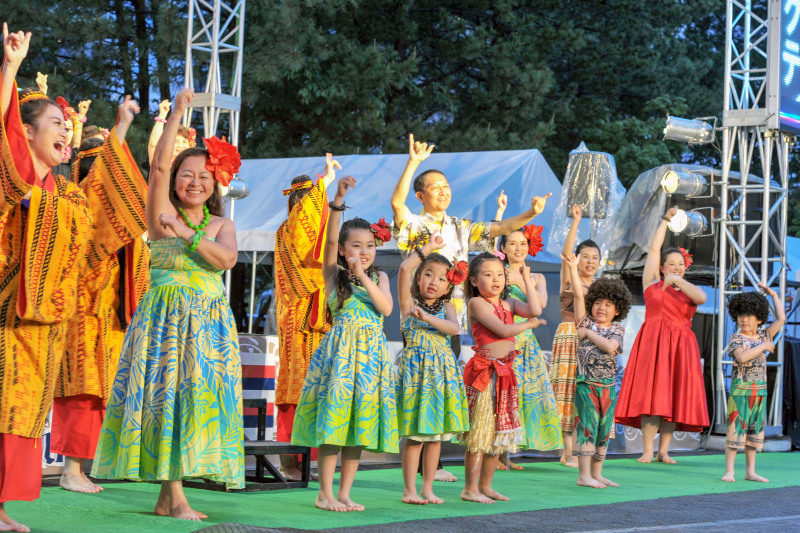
{"x":124,"y":507}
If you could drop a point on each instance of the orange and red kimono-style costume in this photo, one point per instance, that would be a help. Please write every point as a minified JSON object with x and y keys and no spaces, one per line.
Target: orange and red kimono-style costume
{"x":300,"y":299}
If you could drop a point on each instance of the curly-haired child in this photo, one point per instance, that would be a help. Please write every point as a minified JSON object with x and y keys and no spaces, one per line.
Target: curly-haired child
{"x":748,"y":400}
{"x":600,"y":337}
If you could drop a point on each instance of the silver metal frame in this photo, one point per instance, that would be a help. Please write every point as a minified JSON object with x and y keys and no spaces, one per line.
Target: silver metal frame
{"x":750,"y":131}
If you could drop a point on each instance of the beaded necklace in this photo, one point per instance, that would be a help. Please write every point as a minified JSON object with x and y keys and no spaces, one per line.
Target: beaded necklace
{"x":431,"y":309}
{"x":354,"y":280}
{"x":497,"y":308}
{"x":196,"y":227}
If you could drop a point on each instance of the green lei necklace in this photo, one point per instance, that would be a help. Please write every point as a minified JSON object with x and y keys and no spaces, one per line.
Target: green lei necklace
{"x":196,"y":227}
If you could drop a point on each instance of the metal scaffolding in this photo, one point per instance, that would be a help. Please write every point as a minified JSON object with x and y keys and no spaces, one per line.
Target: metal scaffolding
{"x":753,"y":212}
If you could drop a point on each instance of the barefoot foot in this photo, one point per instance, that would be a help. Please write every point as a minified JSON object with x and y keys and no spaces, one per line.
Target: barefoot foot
{"x":493,"y":494}
{"x":444,"y":475}
{"x":607,"y":482}
{"x":500,"y":466}
{"x":180,"y":510}
{"x":477,"y":497}
{"x":728,"y":477}
{"x":351,"y":505}
{"x":431,"y":497}
{"x":572,"y":463}
{"x":413,"y":498}
{"x":590,"y":482}
{"x":330,"y":504}
{"x":291,"y":474}
{"x":514,"y":466}
{"x":755,"y":477}
{"x":78,"y":483}
{"x":87,"y":480}
{"x":9,"y":524}
{"x":647,"y":457}
{"x":666,"y":459}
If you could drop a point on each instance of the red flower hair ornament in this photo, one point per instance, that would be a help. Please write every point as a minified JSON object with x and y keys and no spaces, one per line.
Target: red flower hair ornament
{"x":687,"y":257}
{"x":381,"y":230}
{"x":69,"y":112}
{"x":458,"y":273}
{"x":223,"y":159}
{"x":534,"y":236}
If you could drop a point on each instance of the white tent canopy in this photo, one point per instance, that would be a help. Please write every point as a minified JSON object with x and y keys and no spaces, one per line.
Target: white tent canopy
{"x":476,"y":179}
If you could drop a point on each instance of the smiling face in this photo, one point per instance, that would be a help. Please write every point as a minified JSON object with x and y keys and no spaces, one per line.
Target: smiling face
{"x":47,"y":137}
{"x":491,"y":278}
{"x":588,"y":262}
{"x":194,"y":185}
{"x":433,"y":282}
{"x":515,"y":248}
{"x":70,"y":130}
{"x":181,"y":144}
{"x":673,"y":264}
{"x":359,"y":243}
{"x":435,"y":195}
{"x":604,"y":311}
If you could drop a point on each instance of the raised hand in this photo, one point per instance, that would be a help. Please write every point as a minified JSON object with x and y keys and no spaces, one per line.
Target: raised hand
{"x":182,"y":101}
{"x":41,"y":81}
{"x":418,"y":151}
{"x":502,"y":201}
{"x":576,"y":211}
{"x":330,"y":166}
{"x":436,"y":242}
{"x":83,"y":107}
{"x":345,"y":184}
{"x":15,"y":45}
{"x":767,"y":290}
{"x":538,"y":202}
{"x":127,"y":110}
{"x":163,"y":108}
{"x":525,"y":271}
{"x":570,"y":260}
{"x":671,"y":212}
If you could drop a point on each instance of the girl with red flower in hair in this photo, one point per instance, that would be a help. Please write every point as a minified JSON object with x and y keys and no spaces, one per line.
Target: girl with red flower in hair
{"x":538,"y":412}
{"x":175,"y":409}
{"x":662,"y":387}
{"x":431,"y":400}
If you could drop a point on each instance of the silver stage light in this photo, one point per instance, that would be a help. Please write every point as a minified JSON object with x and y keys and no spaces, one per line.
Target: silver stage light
{"x":691,"y":131}
{"x":236,"y":189}
{"x":690,"y":223}
{"x":688,"y":184}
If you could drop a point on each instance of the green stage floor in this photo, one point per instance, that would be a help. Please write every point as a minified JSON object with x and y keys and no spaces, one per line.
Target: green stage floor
{"x":124,"y":507}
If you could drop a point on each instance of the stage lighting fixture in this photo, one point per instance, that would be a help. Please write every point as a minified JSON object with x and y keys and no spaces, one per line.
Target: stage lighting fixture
{"x":236,"y":189}
{"x":691,"y":131}
{"x":688,"y":184}
{"x":690,"y":223}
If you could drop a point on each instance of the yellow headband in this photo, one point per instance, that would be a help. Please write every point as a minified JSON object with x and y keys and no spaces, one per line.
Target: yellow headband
{"x":33,"y":95}
{"x":298,"y":187}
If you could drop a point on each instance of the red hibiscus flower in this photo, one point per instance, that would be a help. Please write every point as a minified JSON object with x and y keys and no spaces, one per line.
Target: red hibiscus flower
{"x":687,"y":257}
{"x":458,"y":273}
{"x":68,"y":111}
{"x":381,"y":230}
{"x":223,"y":159}
{"x":534,"y":236}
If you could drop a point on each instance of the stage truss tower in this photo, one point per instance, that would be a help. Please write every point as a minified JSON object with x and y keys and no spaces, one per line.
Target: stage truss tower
{"x":752,"y":247}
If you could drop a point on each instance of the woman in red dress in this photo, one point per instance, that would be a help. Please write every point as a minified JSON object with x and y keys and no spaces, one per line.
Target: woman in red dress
{"x":662,"y":388}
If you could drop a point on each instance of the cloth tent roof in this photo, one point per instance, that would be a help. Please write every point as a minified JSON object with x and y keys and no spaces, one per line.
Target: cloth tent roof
{"x":476,"y":179}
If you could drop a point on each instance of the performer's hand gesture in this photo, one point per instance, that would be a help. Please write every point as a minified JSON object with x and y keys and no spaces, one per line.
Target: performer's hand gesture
{"x":163,"y":108}
{"x":670,"y":280}
{"x":418,"y":313}
{"x":171,"y":223}
{"x":330,"y":167}
{"x":15,"y":45}
{"x":41,"y":81}
{"x":767,"y":290}
{"x":570,"y":260}
{"x":434,"y":243}
{"x":182,"y":101}
{"x":355,"y":266}
{"x":538,"y":202}
{"x":671,"y":212}
{"x":525,"y":272}
{"x":127,"y":110}
{"x":345,"y":184}
{"x":502,"y":201}
{"x":418,"y":151}
{"x":576,"y":211}
{"x":83,"y":107}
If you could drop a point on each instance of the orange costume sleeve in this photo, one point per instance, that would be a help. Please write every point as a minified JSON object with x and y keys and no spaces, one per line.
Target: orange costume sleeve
{"x":300,"y":290}
{"x":40,"y":249}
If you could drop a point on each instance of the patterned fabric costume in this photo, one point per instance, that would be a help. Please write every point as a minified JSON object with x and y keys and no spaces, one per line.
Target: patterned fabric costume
{"x":664,"y":376}
{"x":299,"y":298}
{"x":175,"y":409}
{"x":564,"y":362}
{"x":431,"y":401}
{"x":538,"y":412}
{"x":348,"y":396}
{"x":460,"y":236}
{"x":747,"y":403}
{"x":107,"y":297}
{"x":596,"y":390}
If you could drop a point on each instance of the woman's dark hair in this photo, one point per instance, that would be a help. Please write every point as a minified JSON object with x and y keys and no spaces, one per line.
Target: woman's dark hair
{"x":343,"y":288}
{"x":431,"y":258}
{"x":419,"y":181}
{"x":85,"y":164}
{"x":475,"y":268}
{"x":588,"y":243}
{"x":299,"y":194}
{"x":214,"y":203}
{"x":502,"y":243}
{"x":749,"y":303}
{"x":31,"y":111}
{"x":610,"y":289}
{"x":668,"y":252}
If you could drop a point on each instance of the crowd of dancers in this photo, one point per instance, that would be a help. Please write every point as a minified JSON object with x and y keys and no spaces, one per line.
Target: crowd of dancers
{"x":113,"y":312}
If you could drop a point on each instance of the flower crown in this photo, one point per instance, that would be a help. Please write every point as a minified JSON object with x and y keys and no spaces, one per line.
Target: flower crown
{"x":458,"y":273}
{"x":223,"y":159}
{"x":297,"y":187}
{"x":192,"y":137}
{"x":33,"y":95}
{"x":687,"y":257}
{"x":69,"y":112}
{"x":534,"y":236}
{"x":106,"y":133}
{"x":381,"y":231}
